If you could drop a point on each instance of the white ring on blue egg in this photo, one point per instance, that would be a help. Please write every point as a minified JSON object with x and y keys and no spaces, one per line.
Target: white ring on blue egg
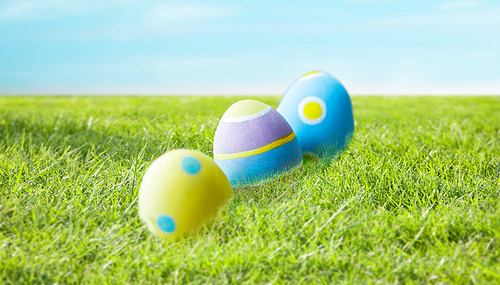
{"x":248,"y":117}
{"x":302,"y":105}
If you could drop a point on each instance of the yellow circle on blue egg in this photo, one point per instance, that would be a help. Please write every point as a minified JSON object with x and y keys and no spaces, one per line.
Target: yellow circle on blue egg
{"x":180,"y":191}
{"x":312,"y":110}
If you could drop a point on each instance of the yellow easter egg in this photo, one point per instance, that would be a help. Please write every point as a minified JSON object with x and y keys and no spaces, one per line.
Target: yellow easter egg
{"x":180,"y":191}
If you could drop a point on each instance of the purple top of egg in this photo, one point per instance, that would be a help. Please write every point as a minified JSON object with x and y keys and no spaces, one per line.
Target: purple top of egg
{"x":242,"y":136}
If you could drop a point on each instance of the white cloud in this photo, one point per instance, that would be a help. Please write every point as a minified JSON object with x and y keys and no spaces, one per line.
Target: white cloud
{"x":129,"y":19}
{"x":148,"y":20}
{"x":458,"y":18}
{"x":378,"y":1}
{"x":164,"y":16}
{"x":44,"y":9}
{"x":157,"y":14}
{"x":460,"y":5}
{"x":167,"y":13}
{"x":18,"y":9}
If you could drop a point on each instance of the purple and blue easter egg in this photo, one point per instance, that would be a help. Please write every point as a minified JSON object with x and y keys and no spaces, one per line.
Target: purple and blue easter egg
{"x":254,"y":143}
{"x":319,"y":110}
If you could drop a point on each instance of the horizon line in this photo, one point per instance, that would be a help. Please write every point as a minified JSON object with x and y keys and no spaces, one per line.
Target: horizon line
{"x":217,"y":95}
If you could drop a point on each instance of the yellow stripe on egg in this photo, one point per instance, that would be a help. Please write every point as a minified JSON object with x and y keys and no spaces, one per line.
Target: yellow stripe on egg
{"x":312,"y":74}
{"x":277,"y":143}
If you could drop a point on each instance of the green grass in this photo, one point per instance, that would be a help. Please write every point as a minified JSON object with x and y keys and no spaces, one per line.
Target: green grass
{"x":413,"y":200}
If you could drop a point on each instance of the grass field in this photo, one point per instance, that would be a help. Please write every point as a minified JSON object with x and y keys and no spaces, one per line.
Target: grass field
{"x":413,"y":200}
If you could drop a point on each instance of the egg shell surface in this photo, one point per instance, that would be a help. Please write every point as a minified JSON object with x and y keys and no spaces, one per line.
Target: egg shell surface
{"x":254,"y":143}
{"x":180,"y":191}
{"x":319,"y":110}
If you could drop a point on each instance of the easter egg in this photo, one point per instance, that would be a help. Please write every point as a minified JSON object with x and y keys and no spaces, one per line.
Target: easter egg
{"x":180,"y":191}
{"x":319,"y":110}
{"x":254,"y":143}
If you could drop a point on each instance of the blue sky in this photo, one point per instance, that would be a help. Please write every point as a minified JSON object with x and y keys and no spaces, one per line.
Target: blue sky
{"x":248,"y":47}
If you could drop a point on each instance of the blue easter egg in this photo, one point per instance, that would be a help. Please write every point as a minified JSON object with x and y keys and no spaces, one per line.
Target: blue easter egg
{"x":319,"y":110}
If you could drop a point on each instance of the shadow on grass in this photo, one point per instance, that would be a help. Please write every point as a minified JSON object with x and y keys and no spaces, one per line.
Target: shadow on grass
{"x":286,"y":186}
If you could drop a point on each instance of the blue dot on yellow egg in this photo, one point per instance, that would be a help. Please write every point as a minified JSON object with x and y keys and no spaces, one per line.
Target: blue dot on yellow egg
{"x":166,"y":223}
{"x":191,"y":165}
